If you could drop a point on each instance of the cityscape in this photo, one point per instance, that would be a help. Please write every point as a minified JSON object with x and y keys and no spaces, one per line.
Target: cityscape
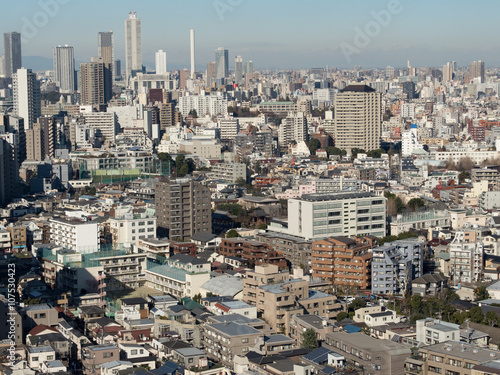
{"x":236,"y":188}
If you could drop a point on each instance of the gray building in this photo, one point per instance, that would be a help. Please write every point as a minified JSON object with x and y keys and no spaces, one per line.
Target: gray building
{"x":13,"y":55}
{"x":374,"y":356}
{"x":183,"y":208}
{"x":221,"y":63}
{"x":395,"y":265}
{"x":64,"y":68}
{"x":489,"y":200}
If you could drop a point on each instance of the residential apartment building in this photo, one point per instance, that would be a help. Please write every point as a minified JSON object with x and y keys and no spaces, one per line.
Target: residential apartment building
{"x":296,"y":250}
{"x":254,"y":252}
{"x":224,"y":341}
{"x":433,"y":331}
{"x":104,"y":124}
{"x":395,"y":265}
{"x":278,"y":297}
{"x":231,"y":172}
{"x":183,"y":208}
{"x":131,"y":227}
{"x":450,"y":357}
{"x":358,"y":118}
{"x":74,"y":234}
{"x":181,"y":275}
{"x":343,"y":261}
{"x":466,"y":257}
{"x":375,"y":356}
{"x":96,"y":82}
{"x":41,"y":139}
{"x":229,"y":128}
{"x":212,"y":105}
{"x":277,"y":107}
{"x":316,"y":216}
{"x":293,"y":128}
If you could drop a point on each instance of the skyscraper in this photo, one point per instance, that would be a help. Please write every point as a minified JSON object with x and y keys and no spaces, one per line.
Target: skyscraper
{"x":41,"y":139}
{"x":248,"y":67}
{"x":221,"y":63}
{"x":358,"y":118}
{"x":238,"y":69}
{"x":105,"y":48}
{"x":448,"y":71}
{"x":26,"y":96}
{"x":161,"y":62}
{"x":133,"y":45}
{"x":13,"y":57}
{"x":191,"y":34}
{"x":95,"y":82}
{"x":8,"y":172}
{"x":64,"y":68}
{"x":211,"y":72}
{"x":477,"y":70}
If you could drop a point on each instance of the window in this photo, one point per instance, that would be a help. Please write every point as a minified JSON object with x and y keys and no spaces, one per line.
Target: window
{"x":107,"y":355}
{"x":133,"y":352}
{"x":244,"y":341}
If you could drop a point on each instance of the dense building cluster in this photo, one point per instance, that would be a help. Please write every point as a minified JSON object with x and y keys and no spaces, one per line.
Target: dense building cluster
{"x":242,"y":221}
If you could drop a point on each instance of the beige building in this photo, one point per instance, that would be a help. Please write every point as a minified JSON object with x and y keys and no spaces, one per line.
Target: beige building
{"x":95,"y":82}
{"x":358,"y":118}
{"x":41,"y":139}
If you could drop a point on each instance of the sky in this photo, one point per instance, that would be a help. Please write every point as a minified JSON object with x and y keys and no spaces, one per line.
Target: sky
{"x":274,"y":34}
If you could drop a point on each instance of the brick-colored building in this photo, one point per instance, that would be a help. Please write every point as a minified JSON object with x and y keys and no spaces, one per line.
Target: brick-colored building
{"x":344,"y":261}
{"x":253,"y":252}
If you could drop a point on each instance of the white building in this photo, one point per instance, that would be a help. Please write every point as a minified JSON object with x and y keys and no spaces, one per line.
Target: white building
{"x":228,"y":172}
{"x":433,"y":331}
{"x":466,"y":257}
{"x":293,"y":128}
{"x":315,"y":216}
{"x":26,"y":96}
{"x":212,"y":105}
{"x":160,"y":62}
{"x":409,"y":141}
{"x":129,"y":228}
{"x":75,"y":234}
{"x":103,"y":123}
{"x":408,"y":110}
{"x":133,"y":45}
{"x":64,"y":68}
{"x":229,"y":128}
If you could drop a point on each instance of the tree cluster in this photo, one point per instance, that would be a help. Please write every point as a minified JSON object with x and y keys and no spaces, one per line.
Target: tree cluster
{"x":182,"y":165}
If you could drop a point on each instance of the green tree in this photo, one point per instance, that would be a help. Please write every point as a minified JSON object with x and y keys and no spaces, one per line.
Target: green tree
{"x":232,"y":208}
{"x":358,"y":303}
{"x":232,"y":234}
{"x":491,"y":318}
{"x":416,"y":304}
{"x":342,"y":315}
{"x":183,"y":170}
{"x":197,"y":298}
{"x":262,"y":226}
{"x":335,"y":151}
{"x":309,"y":340}
{"x":415,"y":203}
{"x":375,"y":153}
{"x":481,"y":293}
{"x":179,"y":160}
{"x":314,"y":144}
{"x":193,"y":113}
{"x":355,"y":151}
{"x":240,"y":181}
{"x":476,"y":314}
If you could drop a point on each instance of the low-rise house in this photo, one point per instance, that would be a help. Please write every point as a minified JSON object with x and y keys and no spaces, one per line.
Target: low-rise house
{"x":274,"y":344}
{"x":37,"y":355}
{"x":429,"y":285}
{"x":34,"y":315}
{"x":300,"y":323}
{"x":138,"y":355}
{"x":433,"y":331}
{"x":50,"y":367}
{"x":381,"y":318}
{"x":93,"y":356}
{"x":190,"y":357}
{"x":112,"y":368}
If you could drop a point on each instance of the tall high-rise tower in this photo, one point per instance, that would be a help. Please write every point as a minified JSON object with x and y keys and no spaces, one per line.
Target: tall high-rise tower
{"x":358,"y":118}
{"x":105,"y":48}
{"x":238,"y":69}
{"x":221,"y":63}
{"x":95,"y":82}
{"x":477,"y":70}
{"x":161,"y":62}
{"x":133,"y":45}
{"x":13,"y":57}
{"x":27,"y":99}
{"x":191,"y":33}
{"x":64,"y":68}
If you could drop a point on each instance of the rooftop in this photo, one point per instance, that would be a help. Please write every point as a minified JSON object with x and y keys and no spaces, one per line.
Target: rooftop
{"x":336,"y":196}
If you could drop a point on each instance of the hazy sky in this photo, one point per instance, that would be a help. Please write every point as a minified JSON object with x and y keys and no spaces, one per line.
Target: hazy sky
{"x":272,"y":33}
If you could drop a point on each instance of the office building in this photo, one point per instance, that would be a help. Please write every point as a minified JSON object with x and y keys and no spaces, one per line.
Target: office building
{"x":221,"y":63}
{"x":106,"y":51}
{"x":27,"y":99}
{"x":317,"y":216}
{"x":358,"y":118}
{"x":95,"y":82}
{"x":409,"y":90}
{"x":477,"y":71}
{"x":183,"y":208}
{"x":41,"y":139}
{"x":191,"y":38}
{"x":238,"y":70}
{"x":160,"y":62}
{"x":211,"y":72}
{"x":248,"y":67}
{"x":133,"y":46}
{"x":13,"y":55}
{"x":64,"y":68}
{"x":449,"y":71}
{"x":395,"y":265}
{"x":344,"y":262}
